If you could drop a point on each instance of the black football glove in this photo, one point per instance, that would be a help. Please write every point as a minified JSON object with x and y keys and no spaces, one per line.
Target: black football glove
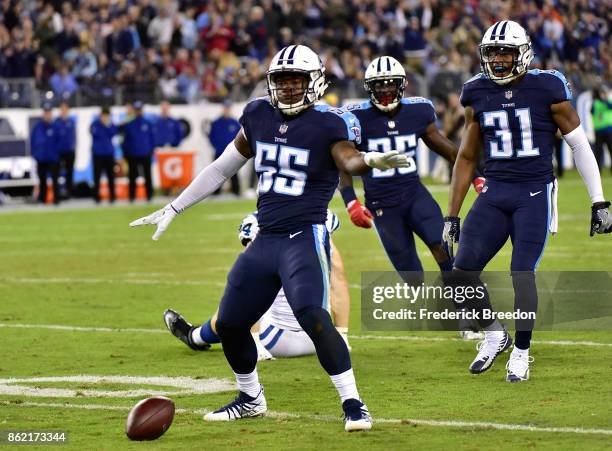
{"x":601,"y":220}
{"x":450,"y":235}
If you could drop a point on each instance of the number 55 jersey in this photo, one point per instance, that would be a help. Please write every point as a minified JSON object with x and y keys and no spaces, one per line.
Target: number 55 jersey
{"x":297,"y":173}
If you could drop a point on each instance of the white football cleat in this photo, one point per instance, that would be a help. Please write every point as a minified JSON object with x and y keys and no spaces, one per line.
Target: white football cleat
{"x":518,"y":366}
{"x":244,"y":406}
{"x":494,"y":344}
{"x":356,"y":416}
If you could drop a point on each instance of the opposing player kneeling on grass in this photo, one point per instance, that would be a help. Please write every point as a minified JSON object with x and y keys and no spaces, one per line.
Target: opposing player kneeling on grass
{"x":278,"y":333}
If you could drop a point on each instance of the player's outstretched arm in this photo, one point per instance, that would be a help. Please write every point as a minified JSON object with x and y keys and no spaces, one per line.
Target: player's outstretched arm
{"x":568,"y":122}
{"x":360,"y":215}
{"x":207,"y":181}
{"x":348,"y":159}
{"x":463,"y":171}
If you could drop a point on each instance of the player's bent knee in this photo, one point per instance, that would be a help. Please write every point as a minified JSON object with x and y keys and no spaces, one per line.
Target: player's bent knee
{"x":314,"y":320}
{"x":225,"y":329}
{"x":438,"y":252}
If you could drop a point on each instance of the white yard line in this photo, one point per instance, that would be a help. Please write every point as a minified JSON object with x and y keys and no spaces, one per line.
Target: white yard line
{"x":352,"y":337}
{"x":327,"y":418}
{"x":162,"y":280}
{"x":95,"y":280}
{"x":179,"y":386}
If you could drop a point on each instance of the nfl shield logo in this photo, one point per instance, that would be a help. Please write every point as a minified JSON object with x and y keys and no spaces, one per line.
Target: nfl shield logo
{"x":283,"y":128}
{"x":485,"y":189}
{"x":508,"y":95}
{"x":391,"y":124}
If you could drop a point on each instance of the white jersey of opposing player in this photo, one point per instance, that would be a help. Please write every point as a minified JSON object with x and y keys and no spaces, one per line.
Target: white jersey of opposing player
{"x":280,"y":313}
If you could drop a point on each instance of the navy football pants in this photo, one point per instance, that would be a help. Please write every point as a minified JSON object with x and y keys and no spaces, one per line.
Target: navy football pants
{"x":418,"y":213}
{"x":521,"y":212}
{"x":300,"y":263}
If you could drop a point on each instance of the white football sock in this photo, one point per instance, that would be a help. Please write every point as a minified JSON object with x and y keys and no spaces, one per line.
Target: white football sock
{"x":345,"y":384}
{"x":249,"y":383}
{"x":520,"y":352}
{"x":195,"y":336}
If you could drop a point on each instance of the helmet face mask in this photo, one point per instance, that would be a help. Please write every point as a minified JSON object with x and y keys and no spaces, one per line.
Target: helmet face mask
{"x":386,"y":93}
{"x":502,"y":61}
{"x":295,"y":79}
{"x":385,"y":80}
{"x":505,"y":52}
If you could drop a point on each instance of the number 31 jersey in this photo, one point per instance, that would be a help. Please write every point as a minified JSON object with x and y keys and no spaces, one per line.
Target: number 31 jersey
{"x":516,"y":122}
{"x":297,"y":173}
{"x":383,"y":133}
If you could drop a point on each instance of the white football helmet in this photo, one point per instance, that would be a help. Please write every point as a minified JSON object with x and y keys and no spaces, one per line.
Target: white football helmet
{"x":249,"y":227}
{"x":301,"y":60}
{"x":385,"y":79}
{"x":508,"y":35}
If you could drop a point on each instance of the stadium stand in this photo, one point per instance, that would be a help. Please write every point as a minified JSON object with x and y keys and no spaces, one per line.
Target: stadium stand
{"x":95,"y":52}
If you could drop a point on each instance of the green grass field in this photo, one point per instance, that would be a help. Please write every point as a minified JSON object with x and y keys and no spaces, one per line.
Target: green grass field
{"x":87,"y":268}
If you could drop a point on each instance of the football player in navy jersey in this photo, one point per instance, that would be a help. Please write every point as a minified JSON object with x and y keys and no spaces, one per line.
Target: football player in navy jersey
{"x":281,"y":334}
{"x":514,"y":114}
{"x":402,"y":206}
{"x":298,"y":149}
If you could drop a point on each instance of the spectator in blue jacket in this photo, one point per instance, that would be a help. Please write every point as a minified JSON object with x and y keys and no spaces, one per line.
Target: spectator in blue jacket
{"x":44,"y":143}
{"x":103,"y":151}
{"x":138,"y":147}
{"x":168,"y":131}
{"x":66,"y":128}
{"x":222,"y":131}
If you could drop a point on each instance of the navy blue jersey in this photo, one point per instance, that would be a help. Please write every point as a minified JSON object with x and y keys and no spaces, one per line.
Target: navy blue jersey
{"x":382,"y":133}
{"x":297,"y":174}
{"x":516,"y":122}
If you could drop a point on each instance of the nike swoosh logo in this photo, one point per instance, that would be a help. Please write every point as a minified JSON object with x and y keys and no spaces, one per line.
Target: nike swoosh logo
{"x":292,"y":235}
{"x":534,"y":194}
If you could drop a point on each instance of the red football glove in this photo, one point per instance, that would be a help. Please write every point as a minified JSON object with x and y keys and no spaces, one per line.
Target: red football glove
{"x":360,"y":215}
{"x":479,"y":183}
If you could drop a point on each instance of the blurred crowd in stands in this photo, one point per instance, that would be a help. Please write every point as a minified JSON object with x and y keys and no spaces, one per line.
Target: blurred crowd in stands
{"x":184,"y":50}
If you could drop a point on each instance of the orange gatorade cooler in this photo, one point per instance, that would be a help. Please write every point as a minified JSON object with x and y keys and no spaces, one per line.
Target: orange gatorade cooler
{"x":175,"y":168}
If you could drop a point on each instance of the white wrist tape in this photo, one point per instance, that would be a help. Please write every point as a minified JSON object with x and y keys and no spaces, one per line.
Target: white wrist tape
{"x":585,"y":163}
{"x":210,"y":178}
